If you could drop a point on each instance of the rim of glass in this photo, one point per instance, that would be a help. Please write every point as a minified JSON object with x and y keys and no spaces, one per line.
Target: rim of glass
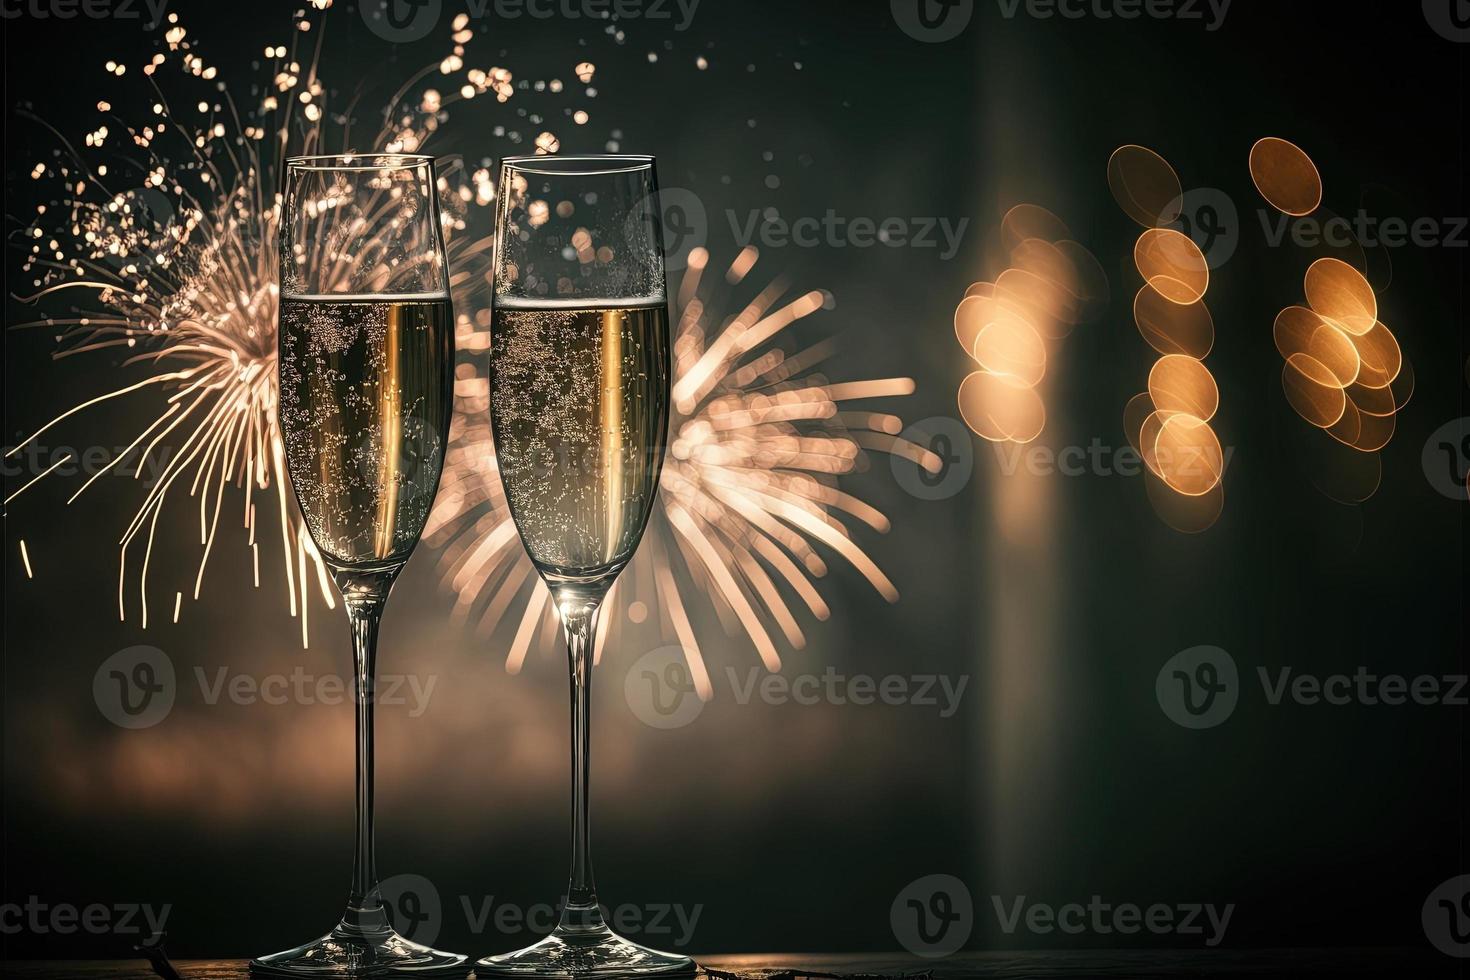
{"x":359,"y":161}
{"x":579,"y":164}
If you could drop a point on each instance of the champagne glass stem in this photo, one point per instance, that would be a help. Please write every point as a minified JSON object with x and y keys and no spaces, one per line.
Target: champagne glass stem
{"x":579,"y":622}
{"x":365,"y":905}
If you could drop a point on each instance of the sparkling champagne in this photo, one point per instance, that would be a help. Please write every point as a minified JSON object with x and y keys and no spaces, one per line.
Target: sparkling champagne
{"x":579,"y":403}
{"x":366,"y":393}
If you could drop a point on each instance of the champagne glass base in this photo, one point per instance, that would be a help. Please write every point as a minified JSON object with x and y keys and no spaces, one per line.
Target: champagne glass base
{"x":345,"y":952}
{"x":596,"y":954}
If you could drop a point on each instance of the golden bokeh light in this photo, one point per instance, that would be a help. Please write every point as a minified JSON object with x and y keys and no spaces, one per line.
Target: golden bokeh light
{"x":977,"y":309}
{"x":1168,"y":425}
{"x":1031,"y":221}
{"x":1183,"y":513}
{"x":1051,"y":309}
{"x":1345,"y":372}
{"x":1148,"y":437}
{"x":1008,"y":345}
{"x":1335,"y":350}
{"x":1090,"y":284}
{"x":1173,"y":328}
{"x":1298,"y":330}
{"x":980,"y":289}
{"x":1144,"y":185}
{"x":1380,"y":356}
{"x":1172,"y":264}
{"x":1402,"y":386}
{"x":1362,"y":430}
{"x":1293,"y":329}
{"x":1182,"y":384}
{"x":1187,"y":455}
{"x":1371,"y":400}
{"x":1050,"y":284}
{"x":1001,"y":408}
{"x":1341,"y":294}
{"x":1135,"y":414}
{"x":1286,"y":177}
{"x":1313,"y":390}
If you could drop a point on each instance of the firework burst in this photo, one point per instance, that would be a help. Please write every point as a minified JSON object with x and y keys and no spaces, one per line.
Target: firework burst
{"x":160,"y":242}
{"x":749,"y":492}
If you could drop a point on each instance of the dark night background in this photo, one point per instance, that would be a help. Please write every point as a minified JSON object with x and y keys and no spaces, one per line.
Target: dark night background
{"x":796,"y":827}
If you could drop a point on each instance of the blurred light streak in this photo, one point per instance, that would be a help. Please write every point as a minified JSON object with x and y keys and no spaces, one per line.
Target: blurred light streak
{"x":1286,"y":177}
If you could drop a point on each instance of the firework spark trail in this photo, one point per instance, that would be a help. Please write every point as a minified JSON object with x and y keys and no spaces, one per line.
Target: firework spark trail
{"x":758,"y":441}
{"x":181,"y":267}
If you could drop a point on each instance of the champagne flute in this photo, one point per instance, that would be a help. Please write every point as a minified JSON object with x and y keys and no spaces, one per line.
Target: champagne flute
{"x":366,"y":365}
{"x":579,"y":405}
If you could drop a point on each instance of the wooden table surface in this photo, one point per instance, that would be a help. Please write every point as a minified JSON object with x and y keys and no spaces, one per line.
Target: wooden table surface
{"x":1073,"y":965}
